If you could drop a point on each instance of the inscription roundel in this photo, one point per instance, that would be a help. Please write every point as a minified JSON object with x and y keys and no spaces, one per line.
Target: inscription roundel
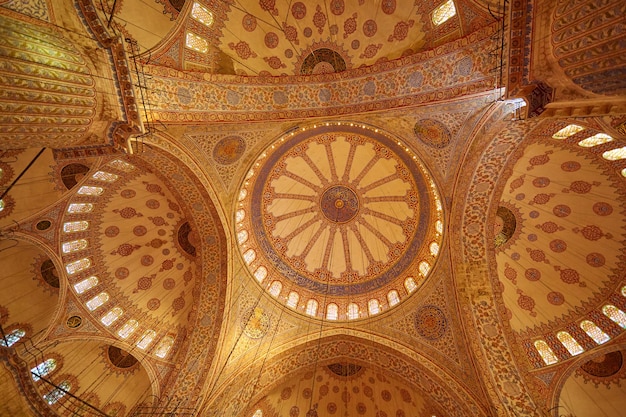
{"x":339,"y":214}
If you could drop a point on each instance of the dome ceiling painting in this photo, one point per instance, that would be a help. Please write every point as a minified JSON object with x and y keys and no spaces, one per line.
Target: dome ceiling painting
{"x":559,"y":238}
{"x":146,"y":259}
{"x":346,"y":388}
{"x":339,"y":221}
{"x":268,"y":37}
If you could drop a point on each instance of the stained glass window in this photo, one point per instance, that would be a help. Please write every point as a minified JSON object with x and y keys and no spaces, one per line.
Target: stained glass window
{"x":434,"y":248}
{"x":74,"y":245}
{"x":443,"y":13}
{"x":567,"y":131}
{"x":249,"y":256}
{"x":393,"y":298}
{"x":595,"y":140}
{"x":105,"y":176}
{"x":121,"y":165}
{"x":311,"y":307}
{"x":410,"y":284}
{"x":292,"y":300}
{"x":12,"y":338}
{"x":86,"y":284}
{"x":97,"y":301}
{"x":164,"y":347}
{"x":594,"y":332}
{"x":88,"y":190}
{"x":615,"y":154}
{"x":80,"y":208}
{"x":546,"y":352}
{"x":128,"y":328}
{"x":79,"y":226}
{"x":110,"y":317}
{"x":353,"y":311}
{"x":43,"y":369}
{"x":275,"y":288}
{"x":424,"y":267}
{"x":260,"y":273}
{"x":146,"y":339}
{"x":197,"y":43}
{"x":77,"y":266}
{"x":570,"y":343}
{"x":373,"y":306}
{"x":332,"y":312}
{"x":615,"y":314}
{"x":57,"y":393}
{"x":202,"y":14}
{"x":242,"y":236}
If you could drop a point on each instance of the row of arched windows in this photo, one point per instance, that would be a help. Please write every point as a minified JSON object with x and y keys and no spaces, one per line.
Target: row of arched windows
{"x":590,"y":328}
{"x":614,"y":154}
{"x":80,"y":265}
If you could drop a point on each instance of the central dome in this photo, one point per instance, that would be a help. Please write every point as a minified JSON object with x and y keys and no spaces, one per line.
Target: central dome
{"x":339,"y":221}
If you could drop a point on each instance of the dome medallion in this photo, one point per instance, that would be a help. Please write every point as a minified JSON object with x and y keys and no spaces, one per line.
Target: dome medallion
{"x":339,"y":221}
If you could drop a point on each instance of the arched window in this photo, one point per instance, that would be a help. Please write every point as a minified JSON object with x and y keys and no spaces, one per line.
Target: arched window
{"x":615,"y":154}
{"x":77,"y":266}
{"x":292,"y":300}
{"x":260,"y":273}
{"x":570,"y":343}
{"x":197,"y":43}
{"x":242,"y":236}
{"x":311,"y":307}
{"x":104,"y":176}
{"x":86,"y":284}
{"x":275,"y":288}
{"x":595,"y":140}
{"x":202,"y":14}
{"x":424,"y":268}
{"x":121,"y":165}
{"x":76,"y":208}
{"x":443,"y":13}
{"x":97,"y":301}
{"x":410,"y":284}
{"x":546,"y":352}
{"x":393,"y":298}
{"x":146,"y":339}
{"x":57,"y":393}
{"x":89,"y":190}
{"x":332,"y":312}
{"x":71,"y":227}
{"x":249,"y":256}
{"x":43,"y":369}
{"x":110,"y":317}
{"x":353,"y":311}
{"x":164,"y":347}
{"x":128,"y":328}
{"x":615,"y":314}
{"x":373,"y":306}
{"x":594,"y":332}
{"x":12,"y":338}
{"x":74,"y":245}
{"x":567,"y":131}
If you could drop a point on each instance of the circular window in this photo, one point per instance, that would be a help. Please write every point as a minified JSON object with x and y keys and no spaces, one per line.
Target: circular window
{"x":341,"y":214}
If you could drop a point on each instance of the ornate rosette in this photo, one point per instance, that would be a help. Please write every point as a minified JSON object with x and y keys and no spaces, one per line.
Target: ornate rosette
{"x":339,"y":221}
